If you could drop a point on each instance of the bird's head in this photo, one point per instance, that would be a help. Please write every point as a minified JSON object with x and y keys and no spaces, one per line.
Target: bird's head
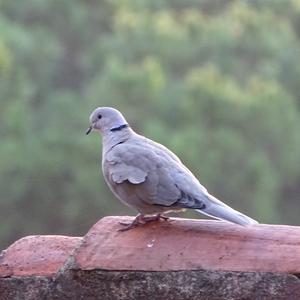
{"x":106,"y":119}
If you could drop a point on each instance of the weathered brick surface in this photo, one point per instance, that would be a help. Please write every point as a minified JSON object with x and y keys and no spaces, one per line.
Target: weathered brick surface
{"x":182,"y":259}
{"x":37,"y":255}
{"x":190,"y":245}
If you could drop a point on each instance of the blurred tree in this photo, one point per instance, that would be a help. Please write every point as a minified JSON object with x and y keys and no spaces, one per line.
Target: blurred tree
{"x":216,"y":81}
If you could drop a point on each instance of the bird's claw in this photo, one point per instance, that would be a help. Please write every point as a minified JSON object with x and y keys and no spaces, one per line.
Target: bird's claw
{"x":164,"y":218}
{"x":141,"y":220}
{"x":128,"y":226}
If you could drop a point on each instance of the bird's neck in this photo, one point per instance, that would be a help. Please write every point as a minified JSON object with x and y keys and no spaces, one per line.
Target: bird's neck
{"x":116,"y":136}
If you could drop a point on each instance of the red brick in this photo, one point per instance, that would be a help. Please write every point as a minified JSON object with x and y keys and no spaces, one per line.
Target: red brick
{"x":190,"y":245}
{"x":37,"y":255}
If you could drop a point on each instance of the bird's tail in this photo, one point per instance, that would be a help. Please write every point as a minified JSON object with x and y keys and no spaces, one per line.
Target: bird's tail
{"x":219,"y":210}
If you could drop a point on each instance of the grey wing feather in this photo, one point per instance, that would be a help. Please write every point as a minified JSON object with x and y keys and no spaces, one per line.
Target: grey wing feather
{"x":147,"y":170}
{"x":126,"y":166}
{"x":158,"y":178}
{"x":121,"y":172}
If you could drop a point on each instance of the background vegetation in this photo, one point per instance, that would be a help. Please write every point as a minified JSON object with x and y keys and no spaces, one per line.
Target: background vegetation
{"x":215,"y":81}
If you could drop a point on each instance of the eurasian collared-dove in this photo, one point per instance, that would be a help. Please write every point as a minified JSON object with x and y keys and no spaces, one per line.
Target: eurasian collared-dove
{"x":148,"y":177}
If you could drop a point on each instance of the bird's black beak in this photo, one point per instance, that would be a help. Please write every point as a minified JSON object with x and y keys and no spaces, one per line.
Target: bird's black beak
{"x":89,"y":130}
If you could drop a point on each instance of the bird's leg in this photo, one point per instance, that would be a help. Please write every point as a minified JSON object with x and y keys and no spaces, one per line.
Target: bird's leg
{"x":141,"y":220}
{"x":155,"y":218}
{"x":136,"y":222}
{"x":165,"y":218}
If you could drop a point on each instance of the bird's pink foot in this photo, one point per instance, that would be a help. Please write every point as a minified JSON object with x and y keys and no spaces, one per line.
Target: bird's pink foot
{"x":141,"y":220}
{"x":156,"y":218}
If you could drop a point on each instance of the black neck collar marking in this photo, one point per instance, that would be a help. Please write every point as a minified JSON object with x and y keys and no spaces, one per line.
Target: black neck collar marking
{"x":119,"y":128}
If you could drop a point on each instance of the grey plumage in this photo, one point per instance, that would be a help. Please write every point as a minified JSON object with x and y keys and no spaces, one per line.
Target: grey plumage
{"x":150,"y":178}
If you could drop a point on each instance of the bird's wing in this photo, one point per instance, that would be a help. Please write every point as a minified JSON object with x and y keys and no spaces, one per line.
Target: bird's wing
{"x":157,"y":179}
{"x":126,"y":163}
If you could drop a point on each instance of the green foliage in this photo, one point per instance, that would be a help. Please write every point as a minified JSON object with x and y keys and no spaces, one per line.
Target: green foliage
{"x":215,"y":81}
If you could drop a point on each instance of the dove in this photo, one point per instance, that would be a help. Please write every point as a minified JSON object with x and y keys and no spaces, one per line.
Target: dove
{"x":150,"y":178}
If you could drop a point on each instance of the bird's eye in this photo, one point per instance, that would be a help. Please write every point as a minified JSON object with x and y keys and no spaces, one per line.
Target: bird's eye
{"x":99,"y":116}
